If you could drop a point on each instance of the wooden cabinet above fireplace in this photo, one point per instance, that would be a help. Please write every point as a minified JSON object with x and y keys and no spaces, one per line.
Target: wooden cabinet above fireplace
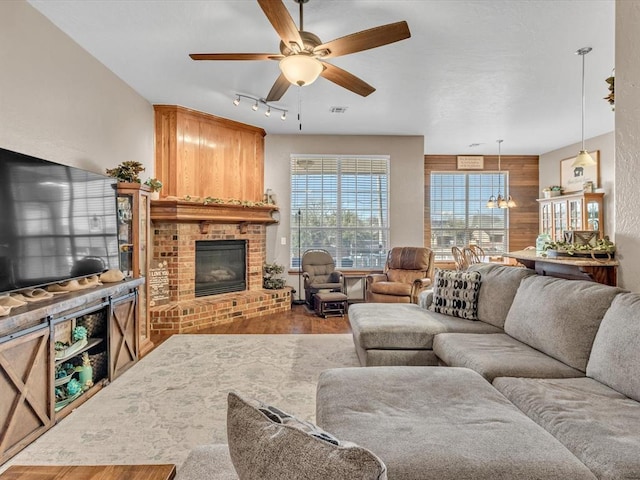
{"x":201,"y":155}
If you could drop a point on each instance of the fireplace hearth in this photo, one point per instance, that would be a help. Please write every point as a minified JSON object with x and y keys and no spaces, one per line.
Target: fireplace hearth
{"x":220,"y":267}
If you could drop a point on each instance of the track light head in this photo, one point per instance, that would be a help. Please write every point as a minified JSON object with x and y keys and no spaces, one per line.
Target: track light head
{"x":236,"y":101}
{"x":255,"y":106}
{"x":268,"y":112}
{"x":283,"y":116}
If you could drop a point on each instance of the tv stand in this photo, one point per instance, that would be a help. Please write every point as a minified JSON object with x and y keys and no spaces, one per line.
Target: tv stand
{"x":34,"y":376}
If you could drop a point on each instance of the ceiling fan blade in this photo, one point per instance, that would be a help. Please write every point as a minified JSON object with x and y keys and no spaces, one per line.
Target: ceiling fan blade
{"x":365,"y":40}
{"x":346,"y":80}
{"x":235,"y":56}
{"x":279,"y":89}
{"x":281,"y":21}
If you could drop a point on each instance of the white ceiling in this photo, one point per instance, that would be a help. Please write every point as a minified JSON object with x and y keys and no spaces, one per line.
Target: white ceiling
{"x":473,"y":71}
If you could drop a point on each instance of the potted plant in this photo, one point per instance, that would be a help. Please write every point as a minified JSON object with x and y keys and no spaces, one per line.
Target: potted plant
{"x":552,"y":191}
{"x":271,"y":276}
{"x":126,"y":172}
{"x":155,"y":185}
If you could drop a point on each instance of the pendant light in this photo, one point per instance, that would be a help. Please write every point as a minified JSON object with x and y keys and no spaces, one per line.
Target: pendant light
{"x":500,"y":201}
{"x":583,"y":159}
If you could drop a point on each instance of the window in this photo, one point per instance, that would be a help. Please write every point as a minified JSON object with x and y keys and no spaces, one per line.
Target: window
{"x":459,"y":215}
{"x":340,"y":204}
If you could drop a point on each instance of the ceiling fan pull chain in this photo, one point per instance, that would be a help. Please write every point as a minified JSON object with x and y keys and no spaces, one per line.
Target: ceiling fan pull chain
{"x":300,"y":105}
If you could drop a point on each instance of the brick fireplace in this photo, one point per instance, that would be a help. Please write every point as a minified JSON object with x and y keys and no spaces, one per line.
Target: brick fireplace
{"x":176,"y":227}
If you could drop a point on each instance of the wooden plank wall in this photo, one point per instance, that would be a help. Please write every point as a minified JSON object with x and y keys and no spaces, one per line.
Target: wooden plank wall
{"x":523,"y":187}
{"x":201,"y":155}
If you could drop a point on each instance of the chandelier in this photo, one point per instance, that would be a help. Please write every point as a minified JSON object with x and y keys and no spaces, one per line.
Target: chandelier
{"x":500,"y":201}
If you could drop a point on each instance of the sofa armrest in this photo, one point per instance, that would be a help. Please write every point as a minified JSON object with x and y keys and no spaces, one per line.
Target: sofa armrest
{"x":376,"y":277}
{"x":337,"y":277}
{"x":417,"y":287}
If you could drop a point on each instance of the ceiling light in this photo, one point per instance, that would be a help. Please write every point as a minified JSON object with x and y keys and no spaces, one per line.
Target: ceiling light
{"x":255,"y":106}
{"x":301,"y":69}
{"x":283,"y":116}
{"x":583,"y":159}
{"x":268,"y":112}
{"x":500,"y":201}
{"x":236,"y":102}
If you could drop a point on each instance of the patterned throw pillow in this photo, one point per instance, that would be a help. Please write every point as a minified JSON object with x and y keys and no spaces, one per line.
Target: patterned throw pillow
{"x":456,"y":294}
{"x":267,"y":443}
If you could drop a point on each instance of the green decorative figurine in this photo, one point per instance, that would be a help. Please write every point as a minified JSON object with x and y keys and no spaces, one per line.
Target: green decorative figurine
{"x":86,"y":372}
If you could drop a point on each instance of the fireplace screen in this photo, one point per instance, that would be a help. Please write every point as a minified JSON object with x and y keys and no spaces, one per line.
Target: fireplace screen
{"x":220,"y":266}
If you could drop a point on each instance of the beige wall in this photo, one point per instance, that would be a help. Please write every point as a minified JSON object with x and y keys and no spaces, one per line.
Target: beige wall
{"x":549,"y":173}
{"x":406,"y":186}
{"x":59,"y":103}
{"x":627,"y":139}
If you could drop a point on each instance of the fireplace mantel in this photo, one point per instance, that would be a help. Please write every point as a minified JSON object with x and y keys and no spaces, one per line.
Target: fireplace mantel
{"x":169,"y":210}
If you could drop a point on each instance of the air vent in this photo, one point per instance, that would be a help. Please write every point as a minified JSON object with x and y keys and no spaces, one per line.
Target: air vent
{"x":338,"y":109}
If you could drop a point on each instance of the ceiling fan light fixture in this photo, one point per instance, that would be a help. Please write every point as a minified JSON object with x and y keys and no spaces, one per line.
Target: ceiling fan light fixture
{"x":301,"y":69}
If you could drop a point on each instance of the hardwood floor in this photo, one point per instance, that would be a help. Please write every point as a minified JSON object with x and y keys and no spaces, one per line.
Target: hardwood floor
{"x":298,"y":320}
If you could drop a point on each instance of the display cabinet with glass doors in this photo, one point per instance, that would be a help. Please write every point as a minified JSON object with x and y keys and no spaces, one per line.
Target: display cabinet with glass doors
{"x":575,"y":211}
{"x":134,"y":244}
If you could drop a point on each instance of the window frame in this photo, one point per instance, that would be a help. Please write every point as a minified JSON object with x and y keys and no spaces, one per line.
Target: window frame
{"x":482,"y":226}
{"x":353,"y":194}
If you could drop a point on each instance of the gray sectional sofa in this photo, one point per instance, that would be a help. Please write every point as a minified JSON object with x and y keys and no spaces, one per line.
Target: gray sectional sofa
{"x":566,"y":359}
{"x":545,"y":384}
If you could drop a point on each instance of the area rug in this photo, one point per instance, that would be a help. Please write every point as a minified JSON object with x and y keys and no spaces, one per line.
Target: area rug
{"x":175,"y":398}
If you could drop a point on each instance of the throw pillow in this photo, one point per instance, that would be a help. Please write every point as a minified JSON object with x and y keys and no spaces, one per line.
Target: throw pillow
{"x":265,"y":442}
{"x":456,"y":294}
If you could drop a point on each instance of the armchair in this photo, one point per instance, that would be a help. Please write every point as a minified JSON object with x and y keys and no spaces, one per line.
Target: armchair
{"x":319,"y":273}
{"x":407,"y":271}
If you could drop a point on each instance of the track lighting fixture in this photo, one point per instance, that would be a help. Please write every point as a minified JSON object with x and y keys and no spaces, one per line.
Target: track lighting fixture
{"x":256,"y":105}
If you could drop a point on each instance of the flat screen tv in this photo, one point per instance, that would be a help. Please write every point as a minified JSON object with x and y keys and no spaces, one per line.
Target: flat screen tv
{"x":56,"y":222}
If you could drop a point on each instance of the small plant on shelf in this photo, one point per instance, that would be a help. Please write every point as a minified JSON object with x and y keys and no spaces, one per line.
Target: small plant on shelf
{"x":127,"y":172}
{"x":154,"y":184}
{"x":271,"y":279}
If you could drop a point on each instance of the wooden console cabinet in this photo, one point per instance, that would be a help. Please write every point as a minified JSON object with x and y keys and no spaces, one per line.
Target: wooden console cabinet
{"x":34,"y":375}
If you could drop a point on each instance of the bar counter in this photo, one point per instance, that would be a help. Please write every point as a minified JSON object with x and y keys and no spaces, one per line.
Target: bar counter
{"x":601,"y":270}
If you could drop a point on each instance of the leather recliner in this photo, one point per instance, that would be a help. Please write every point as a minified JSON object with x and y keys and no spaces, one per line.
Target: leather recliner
{"x":407,"y":271}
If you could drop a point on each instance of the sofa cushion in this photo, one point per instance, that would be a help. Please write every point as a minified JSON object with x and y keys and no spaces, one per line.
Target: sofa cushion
{"x":559,"y":317}
{"x":456,"y":294}
{"x":498,"y":355}
{"x":599,"y":425}
{"x":405,"y":326}
{"x":497,"y":290}
{"x":615,"y":356}
{"x":439,"y":423}
{"x":265,"y":442}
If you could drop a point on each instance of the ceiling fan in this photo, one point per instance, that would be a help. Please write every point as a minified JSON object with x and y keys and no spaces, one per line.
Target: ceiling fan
{"x":302,"y":54}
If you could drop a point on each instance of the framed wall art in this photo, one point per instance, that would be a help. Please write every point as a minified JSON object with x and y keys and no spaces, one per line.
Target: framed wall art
{"x":572,"y":179}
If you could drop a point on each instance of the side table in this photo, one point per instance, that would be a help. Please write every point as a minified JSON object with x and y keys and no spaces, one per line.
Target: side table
{"x":90,"y":472}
